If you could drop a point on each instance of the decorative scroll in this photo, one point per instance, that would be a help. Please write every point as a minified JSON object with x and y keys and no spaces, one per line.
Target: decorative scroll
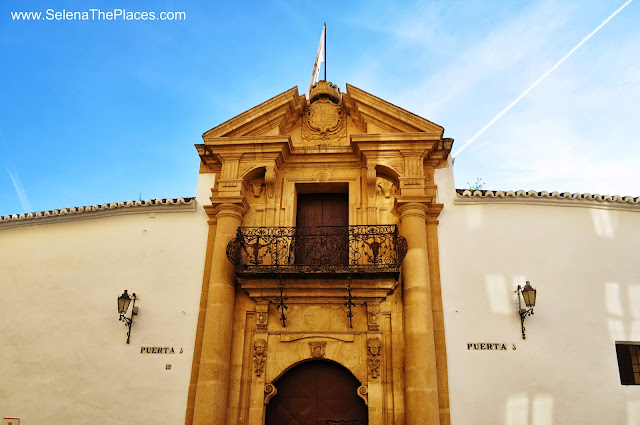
{"x":269,"y":391}
{"x":363,"y":393}
{"x":367,"y":249}
{"x":317,"y":349}
{"x":259,"y":355}
{"x":373,"y":357}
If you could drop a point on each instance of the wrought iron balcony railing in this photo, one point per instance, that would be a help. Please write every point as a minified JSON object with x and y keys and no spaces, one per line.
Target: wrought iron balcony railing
{"x":328,"y":249}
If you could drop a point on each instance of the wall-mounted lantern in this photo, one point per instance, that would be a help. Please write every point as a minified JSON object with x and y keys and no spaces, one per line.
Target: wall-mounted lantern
{"x":123,"y":305}
{"x":529,"y":296}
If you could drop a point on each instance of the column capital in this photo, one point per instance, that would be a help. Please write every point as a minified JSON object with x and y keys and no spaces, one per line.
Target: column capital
{"x":221,"y":206}
{"x":422,"y":206}
{"x":412,"y":205}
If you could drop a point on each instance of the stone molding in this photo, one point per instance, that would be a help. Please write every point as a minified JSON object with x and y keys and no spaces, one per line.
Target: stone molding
{"x":96,"y":211}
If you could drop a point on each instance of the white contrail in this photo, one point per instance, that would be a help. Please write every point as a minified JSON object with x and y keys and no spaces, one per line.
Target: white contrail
{"x":24,"y":201}
{"x":524,"y":93}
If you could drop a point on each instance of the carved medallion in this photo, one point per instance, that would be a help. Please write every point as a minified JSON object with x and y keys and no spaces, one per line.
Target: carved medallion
{"x":317,"y":349}
{"x":323,"y":120}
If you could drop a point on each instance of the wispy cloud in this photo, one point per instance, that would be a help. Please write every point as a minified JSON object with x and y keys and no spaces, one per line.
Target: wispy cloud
{"x":22,"y":195}
{"x":538,"y":81}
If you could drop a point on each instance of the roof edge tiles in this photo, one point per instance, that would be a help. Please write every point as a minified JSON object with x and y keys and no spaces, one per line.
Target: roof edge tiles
{"x":588,"y":200}
{"x":94,"y":211}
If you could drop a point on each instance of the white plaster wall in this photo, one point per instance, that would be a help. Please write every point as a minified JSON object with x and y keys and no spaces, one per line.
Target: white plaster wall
{"x":64,"y":357}
{"x":584,"y":264}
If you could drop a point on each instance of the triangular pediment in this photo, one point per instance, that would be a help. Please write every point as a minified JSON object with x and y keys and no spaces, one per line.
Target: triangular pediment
{"x":376,"y":115}
{"x":275,"y":116}
{"x":278,"y":115}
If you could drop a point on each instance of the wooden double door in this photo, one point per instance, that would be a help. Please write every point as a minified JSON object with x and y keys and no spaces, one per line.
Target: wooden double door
{"x":317,"y":393}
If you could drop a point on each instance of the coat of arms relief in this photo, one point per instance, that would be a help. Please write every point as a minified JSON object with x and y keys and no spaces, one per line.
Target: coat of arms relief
{"x":323,"y":121}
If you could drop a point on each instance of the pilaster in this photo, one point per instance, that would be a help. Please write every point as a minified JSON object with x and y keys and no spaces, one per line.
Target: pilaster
{"x":213,"y":375}
{"x":421,"y":384}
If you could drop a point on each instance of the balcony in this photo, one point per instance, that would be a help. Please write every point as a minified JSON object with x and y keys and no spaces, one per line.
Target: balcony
{"x":316,"y":251}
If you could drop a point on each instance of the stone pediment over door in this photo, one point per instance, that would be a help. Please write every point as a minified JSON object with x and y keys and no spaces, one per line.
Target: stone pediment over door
{"x":328,"y":117}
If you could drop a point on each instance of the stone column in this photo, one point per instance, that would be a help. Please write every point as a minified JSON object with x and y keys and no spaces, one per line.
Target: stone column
{"x":421,"y":385}
{"x":213,"y":377}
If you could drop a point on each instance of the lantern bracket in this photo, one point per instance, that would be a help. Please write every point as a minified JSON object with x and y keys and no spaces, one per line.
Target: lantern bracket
{"x":528,"y":294}
{"x":123,"y":307}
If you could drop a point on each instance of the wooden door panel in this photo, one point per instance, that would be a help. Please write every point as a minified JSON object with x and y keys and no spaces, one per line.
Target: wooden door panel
{"x":316,"y":393}
{"x":318,"y":246}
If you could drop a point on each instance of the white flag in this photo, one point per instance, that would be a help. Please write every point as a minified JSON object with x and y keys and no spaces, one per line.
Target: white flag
{"x":320,"y":57}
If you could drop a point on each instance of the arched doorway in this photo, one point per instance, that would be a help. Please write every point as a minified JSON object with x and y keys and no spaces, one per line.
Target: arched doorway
{"x":316,"y":393}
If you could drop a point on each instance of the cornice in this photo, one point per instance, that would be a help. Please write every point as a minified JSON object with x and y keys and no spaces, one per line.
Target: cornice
{"x":96,"y":211}
{"x":564,"y":199}
{"x":406,"y":117}
{"x":257,"y":113}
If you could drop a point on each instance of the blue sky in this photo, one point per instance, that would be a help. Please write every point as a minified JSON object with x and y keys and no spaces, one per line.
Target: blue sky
{"x":107,"y":111}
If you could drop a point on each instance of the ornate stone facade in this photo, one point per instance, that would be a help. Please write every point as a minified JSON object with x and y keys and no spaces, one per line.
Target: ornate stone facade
{"x":378,"y":158}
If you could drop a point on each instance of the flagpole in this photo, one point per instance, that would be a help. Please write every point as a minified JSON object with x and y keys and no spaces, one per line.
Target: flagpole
{"x":325,"y":51}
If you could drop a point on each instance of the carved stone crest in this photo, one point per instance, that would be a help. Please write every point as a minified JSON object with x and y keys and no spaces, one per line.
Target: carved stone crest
{"x":317,"y":349}
{"x":323,"y":120}
{"x":373,"y":357}
{"x":259,"y":355}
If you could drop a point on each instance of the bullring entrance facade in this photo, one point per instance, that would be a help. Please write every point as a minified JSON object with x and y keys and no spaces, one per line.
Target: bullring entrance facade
{"x":321,"y":293}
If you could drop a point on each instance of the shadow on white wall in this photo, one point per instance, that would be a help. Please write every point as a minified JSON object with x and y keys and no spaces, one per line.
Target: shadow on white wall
{"x":474,"y":217}
{"x":633,"y":412}
{"x":501,"y":295}
{"x":523,"y":410}
{"x":623,"y":328}
{"x":602,"y":223}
